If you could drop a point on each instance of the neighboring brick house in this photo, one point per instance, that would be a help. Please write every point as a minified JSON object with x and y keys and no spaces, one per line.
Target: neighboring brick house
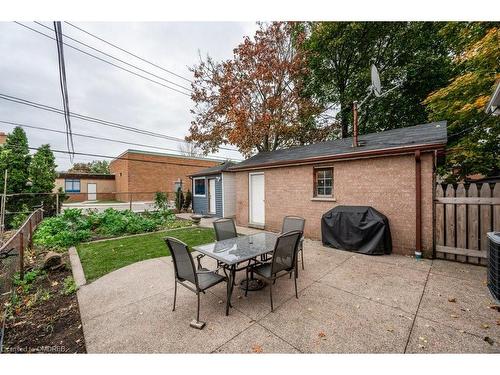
{"x":392,"y":171}
{"x":86,"y":186}
{"x":143,"y":173}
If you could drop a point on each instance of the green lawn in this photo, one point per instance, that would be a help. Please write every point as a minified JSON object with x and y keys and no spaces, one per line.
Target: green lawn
{"x":100,"y":258}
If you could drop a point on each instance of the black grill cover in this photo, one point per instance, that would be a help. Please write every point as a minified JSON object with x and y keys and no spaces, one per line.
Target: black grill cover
{"x":356,"y":228}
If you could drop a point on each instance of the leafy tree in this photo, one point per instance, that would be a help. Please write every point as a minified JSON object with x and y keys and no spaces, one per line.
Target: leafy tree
{"x":254,"y":100}
{"x":474,"y":137}
{"x":42,"y":173}
{"x":15,"y":157}
{"x":80,"y":167}
{"x":42,"y":170}
{"x":95,"y":166}
{"x":339,"y":59}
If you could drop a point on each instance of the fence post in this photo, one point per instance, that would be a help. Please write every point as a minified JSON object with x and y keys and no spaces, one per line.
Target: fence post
{"x":21,"y":255}
{"x":57,"y":203}
{"x":30,"y":233}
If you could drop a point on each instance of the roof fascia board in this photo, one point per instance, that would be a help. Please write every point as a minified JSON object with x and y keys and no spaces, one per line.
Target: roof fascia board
{"x":347,"y":156}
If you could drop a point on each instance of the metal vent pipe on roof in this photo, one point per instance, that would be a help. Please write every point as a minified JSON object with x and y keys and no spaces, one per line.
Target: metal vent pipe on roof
{"x":355,"y":124}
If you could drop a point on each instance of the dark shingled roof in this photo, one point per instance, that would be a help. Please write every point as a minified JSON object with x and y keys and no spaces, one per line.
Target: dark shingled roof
{"x":390,"y":140}
{"x":214,"y":170}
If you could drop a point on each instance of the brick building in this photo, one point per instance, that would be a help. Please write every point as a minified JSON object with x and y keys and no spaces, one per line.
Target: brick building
{"x":81,"y":187}
{"x":392,"y":171}
{"x":143,"y":173}
{"x":135,"y":175}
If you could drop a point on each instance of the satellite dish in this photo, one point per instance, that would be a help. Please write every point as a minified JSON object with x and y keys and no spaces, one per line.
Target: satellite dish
{"x":376,"y":86}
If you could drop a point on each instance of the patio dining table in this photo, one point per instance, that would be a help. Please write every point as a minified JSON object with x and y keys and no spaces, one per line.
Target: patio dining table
{"x":236,"y":250}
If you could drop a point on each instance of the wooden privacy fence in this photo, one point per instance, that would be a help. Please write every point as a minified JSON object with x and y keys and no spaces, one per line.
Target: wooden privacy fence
{"x":463,"y":216}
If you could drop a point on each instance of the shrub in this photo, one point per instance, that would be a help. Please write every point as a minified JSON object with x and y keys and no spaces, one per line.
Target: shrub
{"x":19,"y":218}
{"x":72,"y":227}
{"x":179,"y":199}
{"x":161,"y":201}
{"x":187,"y":202}
{"x":69,"y":286}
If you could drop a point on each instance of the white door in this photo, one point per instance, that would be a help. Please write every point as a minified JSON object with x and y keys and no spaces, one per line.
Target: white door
{"x":211,"y":196}
{"x":92,"y":192}
{"x":257,"y":202}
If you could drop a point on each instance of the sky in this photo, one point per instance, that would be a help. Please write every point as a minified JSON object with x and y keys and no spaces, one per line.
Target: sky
{"x":29,"y":70}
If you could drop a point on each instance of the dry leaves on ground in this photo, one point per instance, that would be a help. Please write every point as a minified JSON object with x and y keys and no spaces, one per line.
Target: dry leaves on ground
{"x":489,"y":340}
{"x":257,"y":348}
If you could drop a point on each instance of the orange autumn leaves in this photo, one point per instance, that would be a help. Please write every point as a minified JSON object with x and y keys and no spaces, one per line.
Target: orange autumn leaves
{"x":254,"y":100}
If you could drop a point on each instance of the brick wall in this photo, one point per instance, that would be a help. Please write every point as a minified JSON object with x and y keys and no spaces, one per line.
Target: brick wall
{"x":120,"y":169}
{"x":141,"y":177}
{"x":105,"y":189}
{"x":385,"y":183}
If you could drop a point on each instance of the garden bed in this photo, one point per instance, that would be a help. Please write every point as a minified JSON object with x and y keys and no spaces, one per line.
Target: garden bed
{"x":73,"y":226}
{"x":43,"y":314}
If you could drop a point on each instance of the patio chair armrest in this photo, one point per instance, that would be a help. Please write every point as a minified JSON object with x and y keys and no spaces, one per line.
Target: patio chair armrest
{"x":198,"y":260}
{"x":258,"y":261}
{"x":210,"y":271}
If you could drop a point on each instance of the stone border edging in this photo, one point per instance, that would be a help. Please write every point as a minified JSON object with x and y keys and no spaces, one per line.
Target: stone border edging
{"x":137,"y":234}
{"x":76,"y":267}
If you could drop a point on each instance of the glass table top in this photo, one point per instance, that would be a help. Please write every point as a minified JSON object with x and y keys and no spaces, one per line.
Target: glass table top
{"x":239,"y":249}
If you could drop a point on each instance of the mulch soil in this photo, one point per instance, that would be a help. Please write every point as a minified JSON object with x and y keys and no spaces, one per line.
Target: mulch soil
{"x":46,"y":320}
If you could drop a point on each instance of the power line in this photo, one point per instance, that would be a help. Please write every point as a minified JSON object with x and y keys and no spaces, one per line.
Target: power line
{"x":17,"y":146}
{"x":89,"y":136}
{"x":105,"y":61}
{"x":116,"y":58}
{"x":97,"y":120}
{"x":477,"y":125}
{"x":123,"y":158}
{"x":64,"y":86}
{"x":127,"y":52}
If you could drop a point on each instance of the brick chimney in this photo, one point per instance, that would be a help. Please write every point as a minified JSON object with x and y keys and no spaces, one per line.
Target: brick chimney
{"x":3,"y":138}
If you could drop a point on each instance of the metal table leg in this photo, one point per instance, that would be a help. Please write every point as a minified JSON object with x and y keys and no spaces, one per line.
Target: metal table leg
{"x":232,"y":275}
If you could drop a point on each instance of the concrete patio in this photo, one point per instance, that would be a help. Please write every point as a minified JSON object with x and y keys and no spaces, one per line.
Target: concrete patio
{"x":348,"y":303}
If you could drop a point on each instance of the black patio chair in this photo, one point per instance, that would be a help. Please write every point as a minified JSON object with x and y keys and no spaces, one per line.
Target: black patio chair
{"x":197,"y":281}
{"x":283,"y":262}
{"x":224,"y":229}
{"x":291,"y":223}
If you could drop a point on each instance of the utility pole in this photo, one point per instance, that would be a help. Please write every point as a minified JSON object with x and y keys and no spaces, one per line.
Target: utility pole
{"x":2,"y":210}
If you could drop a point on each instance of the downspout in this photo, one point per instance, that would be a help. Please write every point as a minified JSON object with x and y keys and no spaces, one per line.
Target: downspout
{"x":418,"y":203}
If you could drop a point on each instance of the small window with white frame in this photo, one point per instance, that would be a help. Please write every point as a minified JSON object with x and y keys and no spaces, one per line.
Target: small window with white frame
{"x":323,"y":182}
{"x":199,"y":188}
